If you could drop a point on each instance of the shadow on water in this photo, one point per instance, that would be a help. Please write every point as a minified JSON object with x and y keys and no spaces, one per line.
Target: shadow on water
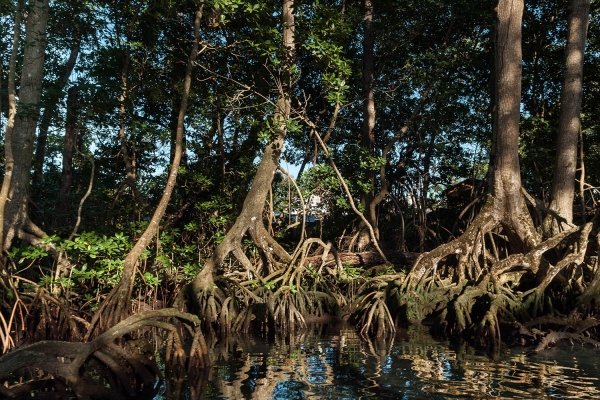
{"x":333,"y":362}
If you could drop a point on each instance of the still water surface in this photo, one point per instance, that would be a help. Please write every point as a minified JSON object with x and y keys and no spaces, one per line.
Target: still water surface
{"x":334,"y":363}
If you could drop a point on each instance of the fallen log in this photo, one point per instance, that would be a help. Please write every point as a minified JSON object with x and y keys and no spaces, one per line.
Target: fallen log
{"x":365,"y":259}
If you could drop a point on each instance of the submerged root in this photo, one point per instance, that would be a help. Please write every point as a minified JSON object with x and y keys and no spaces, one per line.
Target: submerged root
{"x":554,"y":337}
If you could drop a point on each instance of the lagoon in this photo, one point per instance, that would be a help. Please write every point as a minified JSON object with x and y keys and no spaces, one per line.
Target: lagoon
{"x":334,"y":362}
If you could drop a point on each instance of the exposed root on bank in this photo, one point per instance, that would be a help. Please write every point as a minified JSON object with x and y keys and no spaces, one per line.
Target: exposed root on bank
{"x":492,"y":277}
{"x":242,"y":299}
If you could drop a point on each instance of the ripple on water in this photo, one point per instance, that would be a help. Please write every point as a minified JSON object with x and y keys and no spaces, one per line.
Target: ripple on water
{"x":339,"y":365}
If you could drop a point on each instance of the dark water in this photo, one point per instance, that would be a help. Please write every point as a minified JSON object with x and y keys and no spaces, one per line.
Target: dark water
{"x":335,"y":363}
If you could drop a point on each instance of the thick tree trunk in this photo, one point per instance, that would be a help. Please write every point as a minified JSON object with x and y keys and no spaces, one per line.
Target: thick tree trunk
{"x":505,"y":209}
{"x":16,"y":221}
{"x":250,"y":218}
{"x":505,"y":179}
{"x":569,"y":124}
{"x":118,"y":304}
{"x":368,"y":128}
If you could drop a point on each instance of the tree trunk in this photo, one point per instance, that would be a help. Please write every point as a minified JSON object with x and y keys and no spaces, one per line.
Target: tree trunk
{"x":505,"y":182}
{"x":16,"y":221}
{"x":569,"y":123}
{"x":128,"y":160}
{"x":424,"y":181}
{"x":368,"y":128}
{"x":506,"y":208}
{"x":250,"y":218}
{"x":118,"y":305}
{"x":50,"y":109}
{"x":9,"y":162}
{"x":69,"y":148}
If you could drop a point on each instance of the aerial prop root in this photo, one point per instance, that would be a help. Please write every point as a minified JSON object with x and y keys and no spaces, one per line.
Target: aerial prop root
{"x":373,"y":315}
{"x":534,"y":297}
{"x":565,"y":327}
{"x":114,"y":308}
{"x":497,"y":280}
{"x":288,"y":295}
{"x":554,"y":337}
{"x":211,"y":301}
{"x":465,"y":246}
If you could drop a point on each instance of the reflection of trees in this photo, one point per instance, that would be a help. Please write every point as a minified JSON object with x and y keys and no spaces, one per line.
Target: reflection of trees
{"x":248,"y":366}
{"x":442,"y":371}
{"x":415,"y":366}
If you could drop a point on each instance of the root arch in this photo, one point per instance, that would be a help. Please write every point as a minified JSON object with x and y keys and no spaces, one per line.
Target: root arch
{"x":67,"y":362}
{"x":485,"y":288}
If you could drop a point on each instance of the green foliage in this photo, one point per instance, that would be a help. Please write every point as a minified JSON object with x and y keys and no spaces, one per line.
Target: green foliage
{"x":92,"y":245}
{"x":151,"y":280}
{"x":537,"y":152}
{"x":130,"y":74}
{"x":270,"y":285}
{"x":352,"y":272}
{"x":28,"y":253}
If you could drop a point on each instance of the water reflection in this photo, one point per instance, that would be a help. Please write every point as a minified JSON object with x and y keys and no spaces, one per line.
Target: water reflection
{"x":339,"y":365}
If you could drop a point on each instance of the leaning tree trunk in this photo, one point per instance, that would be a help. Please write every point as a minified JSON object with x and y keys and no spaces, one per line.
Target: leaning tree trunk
{"x":569,"y":123}
{"x":118,"y":305}
{"x":250,"y":219}
{"x":19,"y":142}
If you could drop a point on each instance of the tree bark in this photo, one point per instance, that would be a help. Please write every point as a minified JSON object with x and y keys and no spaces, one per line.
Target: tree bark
{"x":9,"y":162}
{"x":505,"y":182}
{"x":16,"y":222}
{"x":368,"y":128}
{"x":569,"y":123}
{"x":128,"y":160}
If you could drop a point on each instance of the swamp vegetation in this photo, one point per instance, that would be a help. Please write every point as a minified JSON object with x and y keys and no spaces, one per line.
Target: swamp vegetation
{"x":176,"y":173}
